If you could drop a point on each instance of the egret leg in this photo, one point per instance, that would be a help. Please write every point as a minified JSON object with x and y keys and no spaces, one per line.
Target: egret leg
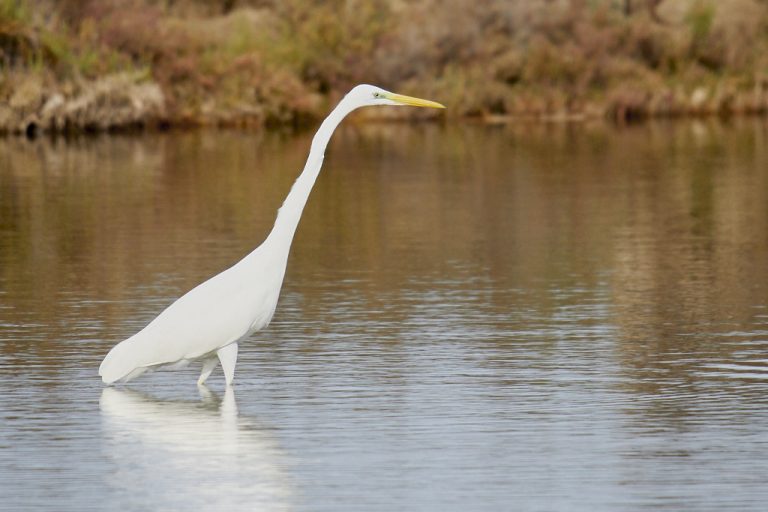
{"x":228,"y":357}
{"x":208,"y":366}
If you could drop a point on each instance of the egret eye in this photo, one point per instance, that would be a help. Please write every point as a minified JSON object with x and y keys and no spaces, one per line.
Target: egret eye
{"x":377,"y":95}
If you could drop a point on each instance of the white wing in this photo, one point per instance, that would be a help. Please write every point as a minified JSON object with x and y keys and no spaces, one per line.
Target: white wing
{"x":220,"y":311}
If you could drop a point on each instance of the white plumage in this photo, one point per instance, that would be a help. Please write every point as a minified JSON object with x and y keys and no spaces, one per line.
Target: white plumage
{"x":217,"y":313}
{"x":207,"y":322}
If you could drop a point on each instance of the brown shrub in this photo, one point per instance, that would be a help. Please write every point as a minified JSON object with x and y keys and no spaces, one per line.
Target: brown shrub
{"x":264,"y":61}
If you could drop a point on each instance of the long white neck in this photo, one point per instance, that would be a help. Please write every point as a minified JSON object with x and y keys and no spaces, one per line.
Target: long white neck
{"x":289,"y":214}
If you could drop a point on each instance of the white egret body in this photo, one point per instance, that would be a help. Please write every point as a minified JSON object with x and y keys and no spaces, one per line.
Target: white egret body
{"x":207,"y":322}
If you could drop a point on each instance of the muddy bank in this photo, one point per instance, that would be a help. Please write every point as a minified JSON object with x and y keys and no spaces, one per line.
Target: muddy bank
{"x":129,"y":101}
{"x":112,"y":102}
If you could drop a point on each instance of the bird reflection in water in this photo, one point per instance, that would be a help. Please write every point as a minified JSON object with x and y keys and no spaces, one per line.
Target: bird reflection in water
{"x":186,"y":455}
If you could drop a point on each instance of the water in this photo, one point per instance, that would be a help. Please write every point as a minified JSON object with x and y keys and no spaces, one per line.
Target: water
{"x":527,"y":317}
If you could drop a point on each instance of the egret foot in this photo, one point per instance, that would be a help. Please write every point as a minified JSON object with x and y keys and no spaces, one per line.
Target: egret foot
{"x":228,"y":357}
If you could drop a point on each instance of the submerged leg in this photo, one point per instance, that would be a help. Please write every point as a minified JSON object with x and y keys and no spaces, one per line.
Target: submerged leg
{"x":208,"y":366}
{"x":206,"y":395}
{"x":228,"y":357}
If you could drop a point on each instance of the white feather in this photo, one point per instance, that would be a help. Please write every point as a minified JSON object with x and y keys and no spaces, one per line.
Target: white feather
{"x":241,"y":300}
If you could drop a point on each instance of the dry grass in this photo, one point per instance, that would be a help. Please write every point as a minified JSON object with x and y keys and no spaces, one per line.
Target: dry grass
{"x":281,"y":62}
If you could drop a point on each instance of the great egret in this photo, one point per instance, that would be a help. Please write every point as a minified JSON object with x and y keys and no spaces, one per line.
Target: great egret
{"x":207,"y":322}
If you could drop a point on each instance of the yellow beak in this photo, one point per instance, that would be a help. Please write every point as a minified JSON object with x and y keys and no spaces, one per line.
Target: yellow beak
{"x":415,"y":102}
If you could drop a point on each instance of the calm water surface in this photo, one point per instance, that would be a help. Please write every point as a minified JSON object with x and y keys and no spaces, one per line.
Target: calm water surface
{"x":533,"y":318}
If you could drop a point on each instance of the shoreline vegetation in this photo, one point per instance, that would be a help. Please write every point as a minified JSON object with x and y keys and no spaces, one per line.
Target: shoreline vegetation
{"x":70,"y":66}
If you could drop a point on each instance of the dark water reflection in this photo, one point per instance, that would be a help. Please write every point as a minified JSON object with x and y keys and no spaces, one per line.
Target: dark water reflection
{"x":474,"y":318}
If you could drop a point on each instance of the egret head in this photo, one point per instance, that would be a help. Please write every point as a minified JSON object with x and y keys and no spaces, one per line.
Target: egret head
{"x":365,"y":95}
